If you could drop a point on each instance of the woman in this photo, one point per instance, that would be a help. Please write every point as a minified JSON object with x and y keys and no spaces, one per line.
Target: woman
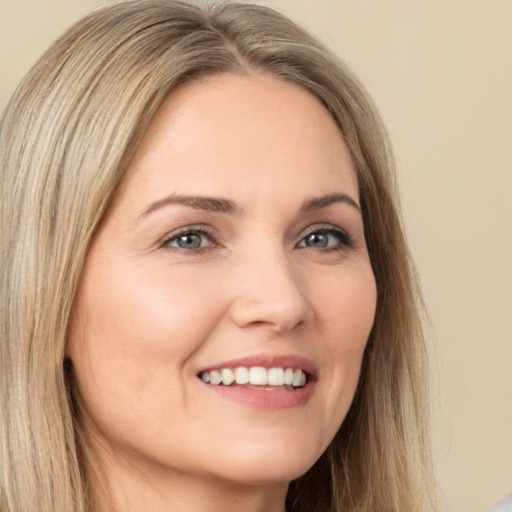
{"x":208,"y":300}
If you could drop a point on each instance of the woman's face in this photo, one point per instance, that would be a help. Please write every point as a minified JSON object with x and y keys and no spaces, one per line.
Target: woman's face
{"x":234,"y":242}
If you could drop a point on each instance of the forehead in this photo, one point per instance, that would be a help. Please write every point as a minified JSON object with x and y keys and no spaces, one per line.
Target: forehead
{"x":227,"y":131}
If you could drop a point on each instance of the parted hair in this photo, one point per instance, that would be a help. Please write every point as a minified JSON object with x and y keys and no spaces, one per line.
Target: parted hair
{"x":66,"y":138}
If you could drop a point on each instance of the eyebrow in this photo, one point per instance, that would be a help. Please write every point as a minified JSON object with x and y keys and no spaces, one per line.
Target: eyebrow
{"x":209,"y":204}
{"x":220,"y":205}
{"x":321,"y":202}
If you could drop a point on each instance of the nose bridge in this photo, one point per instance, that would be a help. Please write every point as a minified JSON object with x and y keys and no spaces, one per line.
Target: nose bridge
{"x":269,"y":290}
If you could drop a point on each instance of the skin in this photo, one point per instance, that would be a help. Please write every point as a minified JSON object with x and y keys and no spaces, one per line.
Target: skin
{"x":151,"y":314}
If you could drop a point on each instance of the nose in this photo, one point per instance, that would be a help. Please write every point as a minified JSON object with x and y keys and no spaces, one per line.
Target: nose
{"x":269,"y":293}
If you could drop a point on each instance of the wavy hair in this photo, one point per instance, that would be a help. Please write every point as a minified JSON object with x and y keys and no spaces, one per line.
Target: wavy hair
{"x":66,"y":139}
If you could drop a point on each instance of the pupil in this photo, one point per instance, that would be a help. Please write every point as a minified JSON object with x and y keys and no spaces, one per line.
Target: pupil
{"x":317,"y":240}
{"x":189,"y":241}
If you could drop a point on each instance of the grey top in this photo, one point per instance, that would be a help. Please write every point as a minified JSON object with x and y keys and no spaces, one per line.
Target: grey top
{"x":505,"y":505}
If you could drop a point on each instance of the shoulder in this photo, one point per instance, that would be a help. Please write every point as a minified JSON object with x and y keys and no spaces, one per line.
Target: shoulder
{"x":505,"y":505}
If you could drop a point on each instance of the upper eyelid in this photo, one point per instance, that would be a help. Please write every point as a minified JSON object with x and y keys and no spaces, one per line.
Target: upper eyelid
{"x":319,"y":226}
{"x":324,"y":227}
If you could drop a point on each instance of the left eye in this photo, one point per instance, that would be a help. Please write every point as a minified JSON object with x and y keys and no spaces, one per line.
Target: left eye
{"x":189,"y":240}
{"x":325,"y":239}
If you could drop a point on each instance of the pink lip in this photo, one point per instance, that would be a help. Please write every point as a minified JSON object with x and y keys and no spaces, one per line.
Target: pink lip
{"x":262,"y":399}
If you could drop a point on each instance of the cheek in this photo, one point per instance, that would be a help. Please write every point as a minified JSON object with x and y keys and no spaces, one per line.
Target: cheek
{"x":131,"y":339}
{"x":347,"y":309}
{"x":347,"y":316}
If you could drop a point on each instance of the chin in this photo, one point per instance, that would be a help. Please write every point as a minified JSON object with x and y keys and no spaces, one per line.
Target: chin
{"x":259,"y":466}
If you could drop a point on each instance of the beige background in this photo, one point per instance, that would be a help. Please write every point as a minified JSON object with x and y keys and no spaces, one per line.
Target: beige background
{"x":441,"y":73}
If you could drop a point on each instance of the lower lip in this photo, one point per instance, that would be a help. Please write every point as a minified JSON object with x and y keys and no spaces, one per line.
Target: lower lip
{"x":265,"y":399}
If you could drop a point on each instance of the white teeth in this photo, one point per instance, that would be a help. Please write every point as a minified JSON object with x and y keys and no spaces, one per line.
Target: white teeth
{"x":256,"y":376}
{"x":228,"y":376}
{"x":215,"y":377}
{"x":297,"y":378}
{"x":275,"y":377}
{"x":242,"y":375}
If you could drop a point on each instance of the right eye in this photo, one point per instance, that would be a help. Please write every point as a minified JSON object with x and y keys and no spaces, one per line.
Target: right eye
{"x":189,"y":240}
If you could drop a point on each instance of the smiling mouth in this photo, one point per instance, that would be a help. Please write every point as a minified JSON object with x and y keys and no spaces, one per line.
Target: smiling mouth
{"x":257,"y":377}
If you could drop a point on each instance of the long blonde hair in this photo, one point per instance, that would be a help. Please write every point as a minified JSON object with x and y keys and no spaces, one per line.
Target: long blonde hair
{"x":66,"y":138}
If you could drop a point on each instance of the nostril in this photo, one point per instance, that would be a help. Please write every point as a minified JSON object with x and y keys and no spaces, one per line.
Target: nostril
{"x":281,"y":313}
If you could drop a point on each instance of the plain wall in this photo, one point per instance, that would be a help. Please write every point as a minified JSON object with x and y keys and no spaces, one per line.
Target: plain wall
{"x":441,"y":73}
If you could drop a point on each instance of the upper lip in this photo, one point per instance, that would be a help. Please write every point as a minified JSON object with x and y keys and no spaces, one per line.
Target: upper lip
{"x":266,"y":361}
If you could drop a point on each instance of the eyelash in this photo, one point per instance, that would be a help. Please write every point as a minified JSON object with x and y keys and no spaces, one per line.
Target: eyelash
{"x":344,"y":239}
